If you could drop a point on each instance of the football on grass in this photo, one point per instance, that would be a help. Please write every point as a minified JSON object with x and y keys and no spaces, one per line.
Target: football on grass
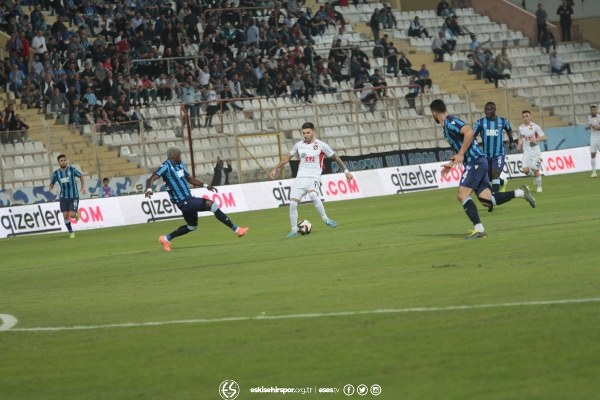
{"x":304,"y":227}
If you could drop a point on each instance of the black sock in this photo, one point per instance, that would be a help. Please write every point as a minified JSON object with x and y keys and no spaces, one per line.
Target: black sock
{"x":221,"y":216}
{"x":503,"y":197}
{"x":68,"y":225}
{"x":471,"y":210}
{"x":182,"y":230}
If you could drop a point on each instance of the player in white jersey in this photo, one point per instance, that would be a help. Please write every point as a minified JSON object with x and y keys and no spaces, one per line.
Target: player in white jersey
{"x":594,"y":127}
{"x":311,"y":152}
{"x":530,"y":135}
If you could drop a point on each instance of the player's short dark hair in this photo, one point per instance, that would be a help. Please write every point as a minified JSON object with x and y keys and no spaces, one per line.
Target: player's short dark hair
{"x":491,"y":104}
{"x":438,"y":105}
{"x":60,"y":156}
{"x":308,"y":125}
{"x":525,"y":111}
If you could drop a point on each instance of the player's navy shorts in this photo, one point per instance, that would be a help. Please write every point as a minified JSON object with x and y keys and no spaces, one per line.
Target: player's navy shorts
{"x":475,"y":175}
{"x":69,"y":205}
{"x":190,"y":208}
{"x":496,"y":164}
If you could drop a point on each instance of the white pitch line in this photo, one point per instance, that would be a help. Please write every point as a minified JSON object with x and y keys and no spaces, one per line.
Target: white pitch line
{"x":307,"y":315}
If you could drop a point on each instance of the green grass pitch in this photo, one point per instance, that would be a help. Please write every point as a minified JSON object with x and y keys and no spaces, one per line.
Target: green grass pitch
{"x":402,"y":253}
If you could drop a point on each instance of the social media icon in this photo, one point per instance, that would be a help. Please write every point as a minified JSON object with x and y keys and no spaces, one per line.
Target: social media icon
{"x":375,"y":390}
{"x":362,"y":389}
{"x":348,"y":390}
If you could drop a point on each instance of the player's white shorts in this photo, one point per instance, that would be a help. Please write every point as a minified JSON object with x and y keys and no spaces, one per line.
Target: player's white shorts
{"x":532,"y":160}
{"x":301,"y":186}
{"x":594,"y":144}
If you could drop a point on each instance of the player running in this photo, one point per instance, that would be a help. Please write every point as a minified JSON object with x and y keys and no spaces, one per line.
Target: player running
{"x":490,"y":130}
{"x":69,"y":192}
{"x":474,"y":177}
{"x":530,"y":135}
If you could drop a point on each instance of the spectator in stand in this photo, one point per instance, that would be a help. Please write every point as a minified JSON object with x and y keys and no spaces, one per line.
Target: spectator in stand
{"x":548,"y":40}
{"x":449,"y":36}
{"x":503,"y":63}
{"x":15,"y":79}
{"x":19,"y":130}
{"x":374,"y":24}
{"x":440,"y":47}
{"x":454,"y":26}
{"x":478,"y":58}
{"x":416,"y":29}
{"x":475,"y":43}
{"x":378,"y":81}
{"x":405,"y":65}
{"x":106,"y":190}
{"x":367,"y":95}
{"x":387,"y":19}
{"x":443,"y":9}
{"x":413,"y":92}
{"x":210,"y":96}
{"x":557,"y":66}
{"x":423,"y":79}
{"x":59,"y":105}
{"x":326,"y":82}
{"x":541,"y":16}
{"x":298,"y":89}
{"x":335,"y":70}
{"x":565,"y":11}
{"x":391,"y":55}
{"x":491,"y":74}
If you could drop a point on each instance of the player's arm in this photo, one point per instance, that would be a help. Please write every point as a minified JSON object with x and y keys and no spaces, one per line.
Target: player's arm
{"x":82,"y":183}
{"x":511,"y":140}
{"x":284,"y":160}
{"x":468,"y":137}
{"x":149,"y":184}
{"x":342,"y":165}
{"x":199,"y":183}
{"x":52,"y":181}
{"x":541,"y":135}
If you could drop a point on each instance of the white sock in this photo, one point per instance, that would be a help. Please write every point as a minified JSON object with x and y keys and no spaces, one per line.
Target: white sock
{"x":538,"y":182}
{"x":594,"y":164}
{"x":294,"y":215}
{"x":519,"y":193}
{"x":318,"y":204}
{"x":479,"y":228}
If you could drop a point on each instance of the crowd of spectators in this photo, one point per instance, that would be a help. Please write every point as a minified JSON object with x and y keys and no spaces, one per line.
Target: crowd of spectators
{"x":103,"y":58}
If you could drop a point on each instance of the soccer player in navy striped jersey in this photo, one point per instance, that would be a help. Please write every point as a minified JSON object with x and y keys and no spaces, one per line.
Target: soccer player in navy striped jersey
{"x":176,"y":177}
{"x":490,"y":130}
{"x":69,"y":192}
{"x":474,"y":178}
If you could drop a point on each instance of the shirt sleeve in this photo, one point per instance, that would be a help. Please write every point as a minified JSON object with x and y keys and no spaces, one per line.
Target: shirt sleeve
{"x":507,"y":126}
{"x":478,"y":128}
{"x":53,"y":178}
{"x":325,"y":148}
{"x":76,"y":172}
{"x":161,"y":171}
{"x":294,"y":150}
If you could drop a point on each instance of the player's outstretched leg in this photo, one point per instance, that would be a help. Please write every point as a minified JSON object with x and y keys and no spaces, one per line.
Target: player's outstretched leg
{"x":221,"y":216}
{"x":523,"y":192}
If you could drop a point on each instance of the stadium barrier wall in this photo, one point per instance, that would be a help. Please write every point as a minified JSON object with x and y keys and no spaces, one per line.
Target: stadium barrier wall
{"x":136,"y":209}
